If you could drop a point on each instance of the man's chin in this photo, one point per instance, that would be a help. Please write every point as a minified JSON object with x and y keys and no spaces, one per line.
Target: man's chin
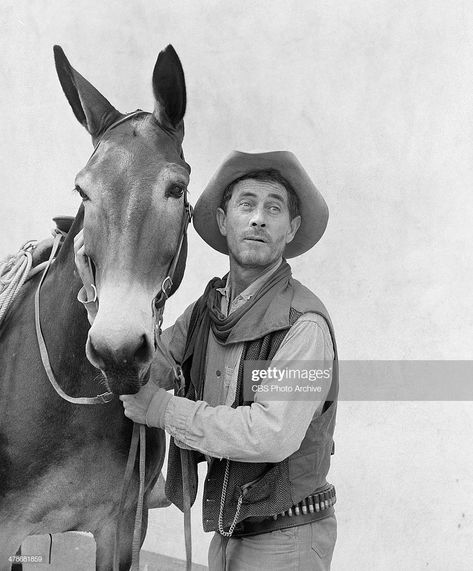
{"x":255,"y":259}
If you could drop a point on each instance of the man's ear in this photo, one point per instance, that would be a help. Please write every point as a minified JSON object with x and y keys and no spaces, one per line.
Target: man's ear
{"x":222,"y":221}
{"x":295,"y":223}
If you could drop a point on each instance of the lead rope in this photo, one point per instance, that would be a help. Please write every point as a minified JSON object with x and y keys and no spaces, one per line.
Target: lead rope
{"x":184,"y":454}
{"x":181,"y":384}
{"x":186,"y":499}
{"x":136,"y":546}
{"x":130,"y":464}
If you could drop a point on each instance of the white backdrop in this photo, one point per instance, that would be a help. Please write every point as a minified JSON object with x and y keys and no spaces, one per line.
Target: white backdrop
{"x":375,"y":98}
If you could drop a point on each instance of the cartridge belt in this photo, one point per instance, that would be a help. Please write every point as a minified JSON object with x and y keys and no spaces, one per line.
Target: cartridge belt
{"x":313,"y":508}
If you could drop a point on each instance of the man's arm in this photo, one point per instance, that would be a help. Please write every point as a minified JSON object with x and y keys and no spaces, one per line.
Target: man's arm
{"x":266,"y":431}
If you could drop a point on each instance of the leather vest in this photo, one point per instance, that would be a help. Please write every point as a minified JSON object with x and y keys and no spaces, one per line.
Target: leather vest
{"x":266,"y":488}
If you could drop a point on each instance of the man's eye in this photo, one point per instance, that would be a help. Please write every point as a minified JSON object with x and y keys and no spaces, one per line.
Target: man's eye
{"x":175,"y":191}
{"x":275,"y":209}
{"x":81,"y":193}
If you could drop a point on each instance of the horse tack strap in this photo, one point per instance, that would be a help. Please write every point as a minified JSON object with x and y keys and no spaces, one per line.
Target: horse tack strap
{"x":138,"y":436}
{"x":179,"y":390}
{"x":167,"y":283}
{"x":166,"y":287}
{"x":99,"y":399}
{"x":186,"y":496}
{"x":112,"y":126}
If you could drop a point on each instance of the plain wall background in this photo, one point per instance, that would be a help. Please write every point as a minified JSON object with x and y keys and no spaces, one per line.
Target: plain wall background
{"x":375,"y":98}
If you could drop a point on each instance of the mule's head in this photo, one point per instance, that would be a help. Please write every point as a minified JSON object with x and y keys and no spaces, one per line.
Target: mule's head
{"x":133,"y":190}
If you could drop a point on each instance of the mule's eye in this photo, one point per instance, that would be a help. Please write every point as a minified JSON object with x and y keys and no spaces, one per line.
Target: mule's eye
{"x":81,"y":193}
{"x":175,"y":191}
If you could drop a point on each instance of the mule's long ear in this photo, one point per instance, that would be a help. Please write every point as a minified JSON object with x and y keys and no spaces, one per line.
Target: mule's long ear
{"x":169,"y":88}
{"x":90,"y":107}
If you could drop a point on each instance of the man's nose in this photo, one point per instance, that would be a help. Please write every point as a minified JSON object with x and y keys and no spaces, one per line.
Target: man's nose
{"x":258,"y":218}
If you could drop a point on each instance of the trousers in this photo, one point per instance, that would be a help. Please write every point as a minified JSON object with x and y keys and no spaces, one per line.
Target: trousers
{"x":302,"y":548}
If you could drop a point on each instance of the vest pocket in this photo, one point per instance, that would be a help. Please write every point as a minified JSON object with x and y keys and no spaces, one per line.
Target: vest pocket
{"x":252,"y":492}
{"x":324,"y":536}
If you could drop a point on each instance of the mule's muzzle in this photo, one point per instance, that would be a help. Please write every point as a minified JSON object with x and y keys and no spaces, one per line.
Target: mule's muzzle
{"x":126,"y":381}
{"x":125,"y":365}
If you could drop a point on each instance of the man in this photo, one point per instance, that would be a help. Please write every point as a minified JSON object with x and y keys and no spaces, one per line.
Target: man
{"x":265,"y":495}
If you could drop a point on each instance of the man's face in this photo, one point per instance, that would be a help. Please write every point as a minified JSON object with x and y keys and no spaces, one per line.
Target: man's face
{"x":257,"y":223}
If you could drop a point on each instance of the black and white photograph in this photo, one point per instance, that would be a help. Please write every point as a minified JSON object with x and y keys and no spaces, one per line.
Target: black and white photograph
{"x":236,"y":301}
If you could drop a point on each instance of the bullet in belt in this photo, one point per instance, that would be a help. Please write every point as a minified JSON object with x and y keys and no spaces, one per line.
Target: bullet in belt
{"x":316,"y":501}
{"x":304,"y":506}
{"x":311,"y":504}
{"x":326,"y":499}
{"x":275,"y":516}
{"x":297,"y":510}
{"x":289,"y":512}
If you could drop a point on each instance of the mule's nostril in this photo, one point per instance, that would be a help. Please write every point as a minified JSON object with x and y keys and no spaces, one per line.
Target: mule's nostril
{"x":144,"y":353}
{"x":94,"y":355}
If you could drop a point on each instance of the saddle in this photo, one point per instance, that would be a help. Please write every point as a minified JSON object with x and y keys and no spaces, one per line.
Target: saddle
{"x":32,"y":257}
{"x":42,"y":249}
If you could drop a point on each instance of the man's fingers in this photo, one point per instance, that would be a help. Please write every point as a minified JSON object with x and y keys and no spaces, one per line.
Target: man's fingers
{"x":81,"y":260}
{"x":78,"y":240}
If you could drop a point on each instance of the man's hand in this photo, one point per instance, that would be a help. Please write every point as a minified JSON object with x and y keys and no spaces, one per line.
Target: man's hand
{"x":136,"y":406}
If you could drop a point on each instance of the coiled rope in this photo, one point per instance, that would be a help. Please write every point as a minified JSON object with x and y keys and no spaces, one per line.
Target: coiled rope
{"x":14,"y":271}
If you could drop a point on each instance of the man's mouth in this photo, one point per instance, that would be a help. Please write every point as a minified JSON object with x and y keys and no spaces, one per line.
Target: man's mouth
{"x":255,"y":239}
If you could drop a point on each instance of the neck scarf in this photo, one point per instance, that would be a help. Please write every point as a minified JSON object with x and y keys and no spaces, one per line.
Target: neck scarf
{"x":237,"y":327}
{"x":222,"y":326}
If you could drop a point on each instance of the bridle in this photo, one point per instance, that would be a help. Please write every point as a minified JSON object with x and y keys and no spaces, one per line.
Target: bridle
{"x":158,"y":302}
{"x":168,"y":283}
{"x":139,"y":431}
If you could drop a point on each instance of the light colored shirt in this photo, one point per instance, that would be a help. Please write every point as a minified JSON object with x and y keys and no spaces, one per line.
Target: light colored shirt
{"x":266,"y":431}
{"x":222,"y":363}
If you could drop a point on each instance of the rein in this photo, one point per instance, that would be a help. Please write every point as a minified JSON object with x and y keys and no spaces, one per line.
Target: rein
{"x":139,"y":430}
{"x":99,"y":399}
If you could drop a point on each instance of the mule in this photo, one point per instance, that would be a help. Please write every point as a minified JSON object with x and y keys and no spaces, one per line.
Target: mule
{"x":62,"y":464}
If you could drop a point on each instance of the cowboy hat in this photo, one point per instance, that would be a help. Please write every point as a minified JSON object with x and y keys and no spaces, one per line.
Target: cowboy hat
{"x":312,"y":206}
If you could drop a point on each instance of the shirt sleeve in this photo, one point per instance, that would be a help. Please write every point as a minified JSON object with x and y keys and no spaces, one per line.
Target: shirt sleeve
{"x":170,"y":350}
{"x":268,"y":430}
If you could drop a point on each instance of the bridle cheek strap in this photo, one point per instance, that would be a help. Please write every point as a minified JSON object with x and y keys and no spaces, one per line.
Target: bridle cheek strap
{"x":179,"y":380}
{"x":167,"y":283}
